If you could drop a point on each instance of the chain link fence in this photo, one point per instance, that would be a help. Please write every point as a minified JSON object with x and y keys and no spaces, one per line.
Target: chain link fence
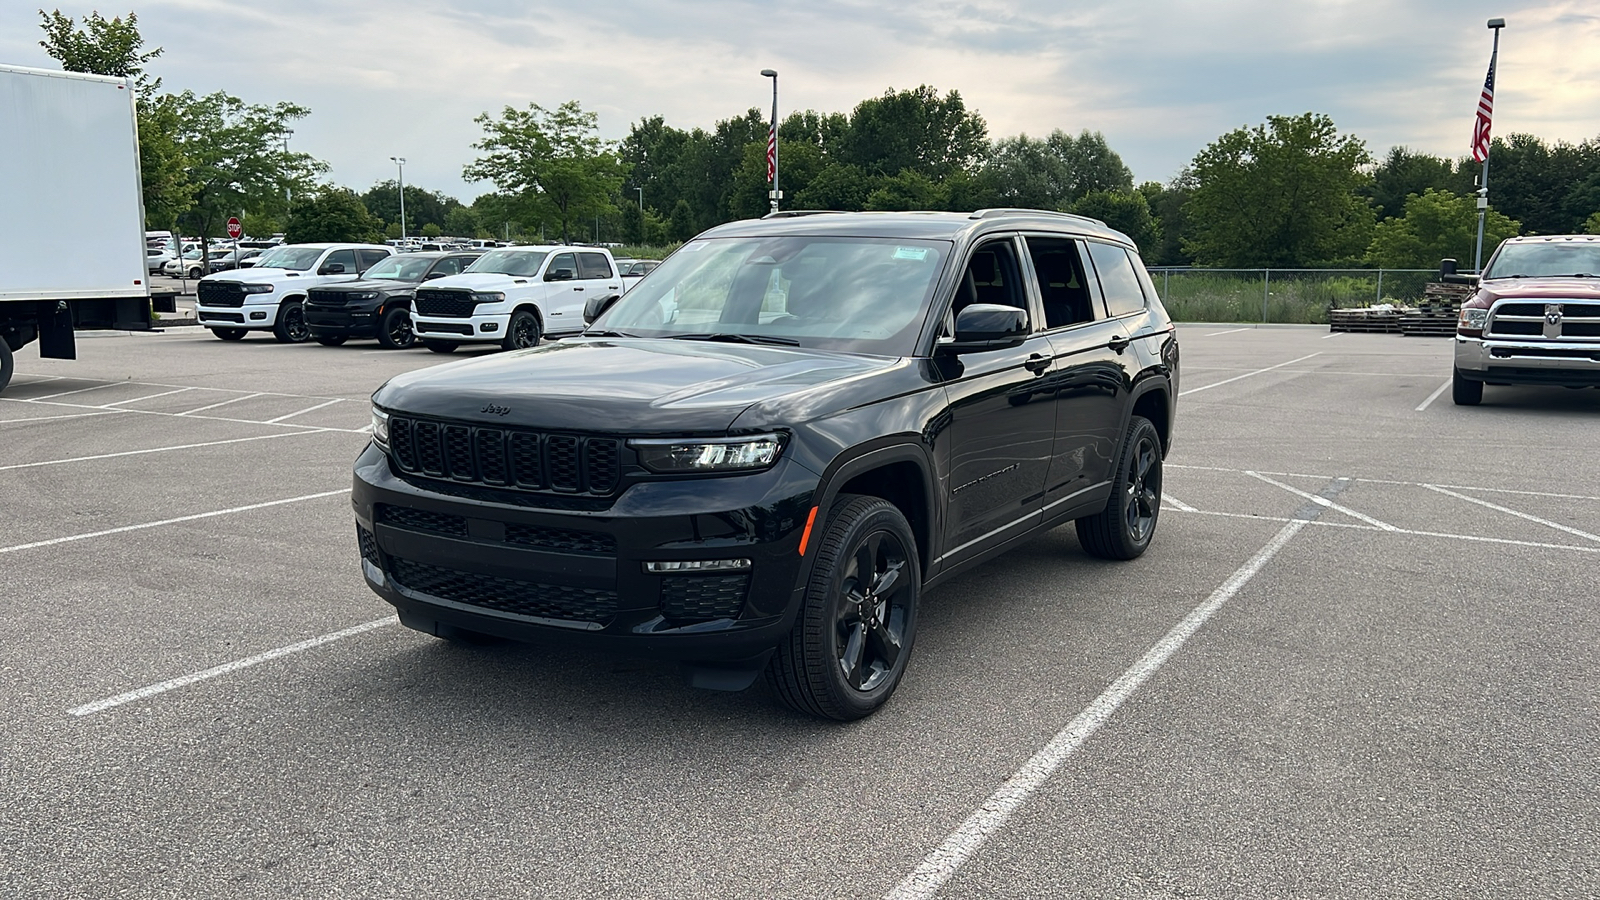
{"x":1293,"y":296}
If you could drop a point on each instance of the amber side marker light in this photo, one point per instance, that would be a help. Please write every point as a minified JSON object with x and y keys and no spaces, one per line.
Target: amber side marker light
{"x":805,"y":536}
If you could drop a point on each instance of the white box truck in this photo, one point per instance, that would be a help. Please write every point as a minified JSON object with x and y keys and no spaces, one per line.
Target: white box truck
{"x":69,"y":169}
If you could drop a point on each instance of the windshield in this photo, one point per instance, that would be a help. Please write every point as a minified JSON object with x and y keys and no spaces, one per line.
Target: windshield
{"x":1546,"y":259}
{"x":861,"y":295}
{"x":297,"y":258}
{"x":400,"y":268}
{"x":521,"y":263}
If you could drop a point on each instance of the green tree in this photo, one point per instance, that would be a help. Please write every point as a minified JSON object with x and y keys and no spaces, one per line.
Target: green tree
{"x":1534,"y":182}
{"x":915,"y":130}
{"x":1286,"y":194}
{"x":908,"y":189}
{"x":551,"y":160}
{"x":838,"y":186}
{"x":332,"y":214}
{"x":1436,"y":225}
{"x":1169,"y":208}
{"x":1051,"y":173}
{"x":423,"y":207}
{"x":1126,"y":211}
{"x":681,"y":226}
{"x":235,"y":157}
{"x":1403,"y":172}
{"x":1591,"y":225}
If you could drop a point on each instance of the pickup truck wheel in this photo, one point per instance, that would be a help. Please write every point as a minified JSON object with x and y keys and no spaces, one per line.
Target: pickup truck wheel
{"x":394,"y":329}
{"x":522,"y":331}
{"x":1124,"y":528}
{"x":332,"y":341}
{"x":291,"y":327}
{"x":852,"y":640}
{"x":8,"y":364}
{"x":1465,"y":391}
{"x":229,"y":334}
{"x":441,"y":346}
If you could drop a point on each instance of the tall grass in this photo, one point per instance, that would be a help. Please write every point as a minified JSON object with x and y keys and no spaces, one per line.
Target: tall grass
{"x":1281,"y":296}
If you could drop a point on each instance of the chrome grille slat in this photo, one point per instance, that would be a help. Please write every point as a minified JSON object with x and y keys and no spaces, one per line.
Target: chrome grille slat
{"x":1522,"y":320}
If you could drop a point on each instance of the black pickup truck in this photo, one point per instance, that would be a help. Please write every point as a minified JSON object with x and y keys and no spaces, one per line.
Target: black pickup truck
{"x":379,"y":305}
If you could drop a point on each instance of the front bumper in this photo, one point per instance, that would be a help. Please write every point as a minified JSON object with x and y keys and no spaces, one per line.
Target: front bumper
{"x":1564,"y":363}
{"x":341,"y":321}
{"x":247,"y":316}
{"x":479,"y":327}
{"x":453,"y":556}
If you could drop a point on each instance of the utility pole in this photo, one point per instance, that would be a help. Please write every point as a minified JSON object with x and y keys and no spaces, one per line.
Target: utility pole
{"x":400,"y":161}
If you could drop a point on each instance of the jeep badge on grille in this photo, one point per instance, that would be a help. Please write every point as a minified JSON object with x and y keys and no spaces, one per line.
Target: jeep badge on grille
{"x":495,"y":409}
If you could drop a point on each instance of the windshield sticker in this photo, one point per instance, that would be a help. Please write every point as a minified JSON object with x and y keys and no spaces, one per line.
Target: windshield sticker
{"x":917,"y":253}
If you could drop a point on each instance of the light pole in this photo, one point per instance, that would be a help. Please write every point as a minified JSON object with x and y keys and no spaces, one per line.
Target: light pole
{"x":288,"y":199}
{"x":772,"y":142}
{"x":1483,"y":115}
{"x":400,"y":161}
{"x":641,"y":198}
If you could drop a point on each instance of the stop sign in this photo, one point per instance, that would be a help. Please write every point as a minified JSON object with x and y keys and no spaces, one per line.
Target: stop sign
{"x":234,"y":230}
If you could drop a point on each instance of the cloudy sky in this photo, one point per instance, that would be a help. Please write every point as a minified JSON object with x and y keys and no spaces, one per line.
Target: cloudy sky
{"x":1160,"y":78}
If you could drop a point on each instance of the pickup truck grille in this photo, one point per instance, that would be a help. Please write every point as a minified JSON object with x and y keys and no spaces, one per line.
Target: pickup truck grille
{"x":443,"y":302}
{"x":1521,"y":319}
{"x":505,"y":457}
{"x":220,"y":293}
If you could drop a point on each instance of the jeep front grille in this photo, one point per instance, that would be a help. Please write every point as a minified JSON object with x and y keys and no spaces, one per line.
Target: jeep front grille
{"x":506,"y":457}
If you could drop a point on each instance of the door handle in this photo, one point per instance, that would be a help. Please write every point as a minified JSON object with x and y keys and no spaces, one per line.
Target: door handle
{"x":579,"y":289}
{"x":1037,"y":364}
{"x":1118,"y":344}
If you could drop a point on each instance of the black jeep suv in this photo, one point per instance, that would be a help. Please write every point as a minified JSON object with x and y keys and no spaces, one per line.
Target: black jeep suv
{"x":379,"y":305}
{"x":760,"y":457}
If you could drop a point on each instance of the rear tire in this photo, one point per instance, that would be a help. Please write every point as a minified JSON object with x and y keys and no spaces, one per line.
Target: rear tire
{"x":8,"y":364}
{"x":850,"y":644}
{"x":1465,"y":391}
{"x":291,"y":327}
{"x":229,"y":334}
{"x":331,"y":341}
{"x":194,"y":273}
{"x":394,"y":329}
{"x":1124,"y":528}
{"x":522,"y":332}
{"x":441,"y":346}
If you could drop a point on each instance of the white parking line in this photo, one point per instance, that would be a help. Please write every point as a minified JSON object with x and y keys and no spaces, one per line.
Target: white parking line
{"x":1207,"y":387}
{"x":146,"y":397}
{"x":1435,"y":395}
{"x":1332,"y":335}
{"x":225,"y":668}
{"x":1459,"y":487}
{"x":1324,"y":501}
{"x":303,"y":411}
{"x":1175,"y":502}
{"x":1521,"y":515}
{"x":73,"y":459}
{"x":188,"y":416}
{"x":142,"y":526}
{"x":1230,"y":331}
{"x":78,"y":391}
{"x":938,"y":867}
{"x":220,"y":390}
{"x":106,"y":412}
{"x":1469,"y":538}
{"x":190,"y":412}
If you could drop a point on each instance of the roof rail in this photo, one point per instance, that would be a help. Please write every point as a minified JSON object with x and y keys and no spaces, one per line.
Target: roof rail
{"x":796,"y":213}
{"x":1020,"y":211}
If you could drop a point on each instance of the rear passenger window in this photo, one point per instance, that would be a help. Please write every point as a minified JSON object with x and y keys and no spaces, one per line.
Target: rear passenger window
{"x":1117,"y":279}
{"x":593,"y":265}
{"x":1063,"y":281}
{"x":370,"y":258}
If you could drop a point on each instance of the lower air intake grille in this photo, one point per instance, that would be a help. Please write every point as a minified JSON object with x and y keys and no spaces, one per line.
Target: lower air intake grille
{"x":369,"y":546}
{"x":562,"y":540}
{"x":687,"y":598}
{"x":521,"y":598}
{"x":423,"y":520}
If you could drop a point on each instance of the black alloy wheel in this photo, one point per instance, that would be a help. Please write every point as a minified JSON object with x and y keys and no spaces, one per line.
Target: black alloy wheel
{"x":229,"y":334}
{"x":291,"y":327}
{"x":1465,"y":391}
{"x":394,"y":329}
{"x":442,"y":346}
{"x":331,"y":341}
{"x":1124,"y":528}
{"x":522,"y":331}
{"x":853,"y":638}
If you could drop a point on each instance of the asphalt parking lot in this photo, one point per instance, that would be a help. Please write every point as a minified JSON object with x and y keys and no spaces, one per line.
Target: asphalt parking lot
{"x":1360,"y":660}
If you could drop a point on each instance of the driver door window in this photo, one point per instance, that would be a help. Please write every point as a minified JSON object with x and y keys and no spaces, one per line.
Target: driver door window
{"x":346,"y":258}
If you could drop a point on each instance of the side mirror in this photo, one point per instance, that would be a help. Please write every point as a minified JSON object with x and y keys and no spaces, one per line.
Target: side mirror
{"x":332,"y":269}
{"x":597,"y":306}
{"x":560,"y":275}
{"x":988,"y":326}
{"x":1448,"y":274}
{"x":432,"y":275}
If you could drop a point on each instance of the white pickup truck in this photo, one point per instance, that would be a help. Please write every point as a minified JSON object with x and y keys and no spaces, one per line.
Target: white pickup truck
{"x":514,"y":296}
{"x":271,"y":294}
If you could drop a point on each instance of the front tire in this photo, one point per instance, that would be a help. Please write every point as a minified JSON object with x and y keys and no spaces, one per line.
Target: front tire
{"x":1124,"y":528}
{"x":523,"y":331}
{"x":291,"y":327}
{"x":229,"y":334}
{"x":194,"y":273}
{"x":851,"y":642}
{"x":8,"y":364}
{"x":394,"y":329}
{"x":441,"y":346}
{"x":1465,"y":391}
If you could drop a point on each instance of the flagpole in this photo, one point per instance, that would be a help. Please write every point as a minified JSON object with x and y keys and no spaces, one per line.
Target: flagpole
{"x":1483,"y":184}
{"x":772,"y":140}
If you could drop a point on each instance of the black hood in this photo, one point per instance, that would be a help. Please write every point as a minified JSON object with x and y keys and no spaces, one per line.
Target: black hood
{"x":368,"y":284}
{"x":637,"y":386}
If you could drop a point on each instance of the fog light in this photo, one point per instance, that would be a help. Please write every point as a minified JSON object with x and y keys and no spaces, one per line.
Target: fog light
{"x":258,"y":315}
{"x":489,"y":326}
{"x":697,"y":565}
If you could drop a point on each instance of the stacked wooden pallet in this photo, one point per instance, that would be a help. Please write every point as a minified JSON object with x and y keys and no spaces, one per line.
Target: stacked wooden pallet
{"x":1436,"y":315}
{"x":1381,"y":320}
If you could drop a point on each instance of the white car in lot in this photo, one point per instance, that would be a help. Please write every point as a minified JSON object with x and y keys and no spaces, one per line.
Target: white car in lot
{"x":513,"y":297}
{"x":271,"y":293}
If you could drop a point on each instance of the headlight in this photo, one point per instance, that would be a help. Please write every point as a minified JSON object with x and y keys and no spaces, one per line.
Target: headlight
{"x":380,"y":428}
{"x":675,"y":457}
{"x":1473,"y":318}
{"x":364,"y":296}
{"x":487,"y":296}
{"x":257,"y":289}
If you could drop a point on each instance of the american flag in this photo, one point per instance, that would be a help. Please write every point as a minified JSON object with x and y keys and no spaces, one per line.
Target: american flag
{"x":772,"y":152}
{"x":1480,"y":128}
